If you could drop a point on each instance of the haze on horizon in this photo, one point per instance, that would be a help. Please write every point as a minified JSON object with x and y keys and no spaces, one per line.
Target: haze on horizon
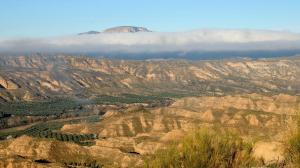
{"x":53,"y":26}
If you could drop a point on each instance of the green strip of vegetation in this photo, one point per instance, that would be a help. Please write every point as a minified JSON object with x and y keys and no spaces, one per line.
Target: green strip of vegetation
{"x":128,"y":99}
{"x":58,"y":106}
{"x":40,"y":108}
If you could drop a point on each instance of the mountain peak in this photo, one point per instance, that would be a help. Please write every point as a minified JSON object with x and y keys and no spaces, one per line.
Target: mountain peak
{"x":126,"y":29}
{"x":89,"y":33}
{"x":118,"y":29}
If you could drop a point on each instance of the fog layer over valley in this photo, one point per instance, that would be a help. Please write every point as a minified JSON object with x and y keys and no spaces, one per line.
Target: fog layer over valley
{"x":146,"y":42}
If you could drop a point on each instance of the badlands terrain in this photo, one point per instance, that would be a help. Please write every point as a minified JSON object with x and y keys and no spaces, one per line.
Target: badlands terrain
{"x":37,"y":77}
{"x":117,"y":113}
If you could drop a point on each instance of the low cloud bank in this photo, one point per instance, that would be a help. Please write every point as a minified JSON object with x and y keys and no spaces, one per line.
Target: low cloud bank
{"x":199,"y":40}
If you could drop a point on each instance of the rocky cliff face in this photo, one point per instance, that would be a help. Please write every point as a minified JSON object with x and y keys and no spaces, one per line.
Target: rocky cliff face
{"x":41,"y":153}
{"x":38,"y":77}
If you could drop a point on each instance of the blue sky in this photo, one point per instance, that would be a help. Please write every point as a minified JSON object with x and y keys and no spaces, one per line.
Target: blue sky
{"x":44,"y":18}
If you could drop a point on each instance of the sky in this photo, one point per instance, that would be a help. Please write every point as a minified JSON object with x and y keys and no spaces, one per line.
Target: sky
{"x":53,"y":18}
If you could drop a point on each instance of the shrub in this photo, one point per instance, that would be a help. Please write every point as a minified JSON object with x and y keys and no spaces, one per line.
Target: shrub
{"x":204,"y":149}
{"x":293,"y":147}
{"x":65,"y":137}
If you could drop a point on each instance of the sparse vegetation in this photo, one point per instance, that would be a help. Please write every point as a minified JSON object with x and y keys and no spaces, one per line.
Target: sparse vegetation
{"x":48,"y":130}
{"x":204,"y":149}
{"x":88,"y":164}
{"x":131,"y":98}
{"x":293,"y":147}
{"x":40,"y":108}
{"x":58,"y":106}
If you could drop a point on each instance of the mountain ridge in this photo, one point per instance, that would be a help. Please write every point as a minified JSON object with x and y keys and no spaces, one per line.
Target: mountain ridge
{"x":126,"y":29}
{"x":118,"y":29}
{"x":36,"y":77}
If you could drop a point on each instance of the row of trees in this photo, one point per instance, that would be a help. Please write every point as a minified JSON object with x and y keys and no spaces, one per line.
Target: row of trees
{"x":41,"y":108}
{"x":42,"y":131}
{"x":50,"y":126}
{"x":128,"y":99}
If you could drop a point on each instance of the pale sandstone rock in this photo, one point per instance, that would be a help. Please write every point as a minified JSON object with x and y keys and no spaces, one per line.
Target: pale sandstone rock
{"x":271,"y":152}
{"x":8,"y":84}
{"x":252,"y":119}
{"x":148,"y":147}
{"x":208,"y":116}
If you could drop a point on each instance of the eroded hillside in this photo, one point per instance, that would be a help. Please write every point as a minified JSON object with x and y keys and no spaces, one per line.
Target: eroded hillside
{"x":36,"y":77}
{"x":255,"y":99}
{"x":126,"y":137}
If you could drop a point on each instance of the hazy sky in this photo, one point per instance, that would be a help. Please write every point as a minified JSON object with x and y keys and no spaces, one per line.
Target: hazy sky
{"x":44,"y":18}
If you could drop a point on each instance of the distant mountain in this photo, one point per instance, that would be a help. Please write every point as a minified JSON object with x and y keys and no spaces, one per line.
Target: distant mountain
{"x":202,"y":44}
{"x":119,"y":29}
{"x":126,"y":29}
{"x":89,"y":32}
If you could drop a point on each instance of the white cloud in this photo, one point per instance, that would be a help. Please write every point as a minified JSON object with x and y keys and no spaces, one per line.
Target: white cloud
{"x":199,"y":40}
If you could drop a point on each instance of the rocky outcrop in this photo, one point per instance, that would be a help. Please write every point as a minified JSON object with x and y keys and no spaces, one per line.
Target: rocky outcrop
{"x":271,"y":152}
{"x":20,"y":162}
{"x":28,"y":151}
{"x":7,"y":84}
